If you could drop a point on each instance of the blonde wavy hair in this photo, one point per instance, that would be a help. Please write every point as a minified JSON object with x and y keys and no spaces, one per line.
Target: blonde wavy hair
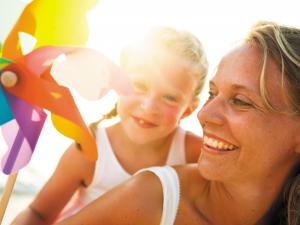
{"x":282,"y":44}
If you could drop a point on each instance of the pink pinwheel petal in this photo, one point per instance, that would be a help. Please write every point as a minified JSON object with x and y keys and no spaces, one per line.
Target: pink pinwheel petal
{"x":91,"y":74}
{"x":40,"y":59}
{"x":19,"y":151}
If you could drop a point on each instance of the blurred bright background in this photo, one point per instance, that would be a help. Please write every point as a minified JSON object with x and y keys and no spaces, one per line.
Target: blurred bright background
{"x":113,"y":23}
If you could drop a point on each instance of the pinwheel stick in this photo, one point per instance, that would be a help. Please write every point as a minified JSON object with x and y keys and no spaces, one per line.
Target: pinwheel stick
{"x":6,"y":194}
{"x":8,"y":79}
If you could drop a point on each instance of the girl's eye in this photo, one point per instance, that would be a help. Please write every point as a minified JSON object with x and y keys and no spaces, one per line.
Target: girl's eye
{"x":139,"y":88}
{"x":170,"y":98}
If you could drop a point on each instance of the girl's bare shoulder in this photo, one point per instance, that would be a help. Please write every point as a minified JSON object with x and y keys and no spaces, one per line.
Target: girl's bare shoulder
{"x":193,"y":145}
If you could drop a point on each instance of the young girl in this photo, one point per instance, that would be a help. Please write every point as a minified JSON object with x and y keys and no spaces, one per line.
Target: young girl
{"x":167,"y":70}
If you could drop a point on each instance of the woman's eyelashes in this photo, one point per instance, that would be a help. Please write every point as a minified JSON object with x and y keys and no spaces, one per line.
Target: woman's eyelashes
{"x":236,"y":100}
{"x":211,"y":95}
{"x":240,"y":102}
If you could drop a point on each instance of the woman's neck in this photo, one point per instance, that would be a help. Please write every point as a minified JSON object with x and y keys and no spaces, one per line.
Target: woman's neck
{"x":241,"y":203}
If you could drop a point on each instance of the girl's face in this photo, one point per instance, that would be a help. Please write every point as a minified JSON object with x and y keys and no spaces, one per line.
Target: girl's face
{"x":163,"y":94}
{"x":242,"y":139}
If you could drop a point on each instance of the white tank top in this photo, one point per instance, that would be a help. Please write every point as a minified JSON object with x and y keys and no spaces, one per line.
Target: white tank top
{"x":171,"y":192}
{"x":109,"y":173}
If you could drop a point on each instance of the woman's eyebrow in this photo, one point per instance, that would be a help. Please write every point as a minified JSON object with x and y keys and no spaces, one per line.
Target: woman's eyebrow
{"x":240,"y":87}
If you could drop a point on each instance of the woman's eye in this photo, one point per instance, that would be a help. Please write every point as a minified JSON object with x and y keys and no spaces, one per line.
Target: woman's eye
{"x":211,"y":95}
{"x":240,"y":102}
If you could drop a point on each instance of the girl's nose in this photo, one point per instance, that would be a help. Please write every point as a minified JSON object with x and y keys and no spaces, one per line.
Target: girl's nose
{"x":213,"y":112}
{"x":149,"y":104}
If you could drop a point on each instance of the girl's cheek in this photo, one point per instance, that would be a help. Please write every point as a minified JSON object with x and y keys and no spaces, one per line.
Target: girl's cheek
{"x":171,"y":113}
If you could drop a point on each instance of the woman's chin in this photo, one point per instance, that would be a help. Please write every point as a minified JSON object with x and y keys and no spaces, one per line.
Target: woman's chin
{"x":212,"y":170}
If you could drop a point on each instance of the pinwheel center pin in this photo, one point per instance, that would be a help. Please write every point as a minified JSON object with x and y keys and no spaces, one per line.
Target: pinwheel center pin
{"x":8,"y":78}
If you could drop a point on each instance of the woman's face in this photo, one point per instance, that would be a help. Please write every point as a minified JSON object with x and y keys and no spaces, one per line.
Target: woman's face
{"x":243,"y":139}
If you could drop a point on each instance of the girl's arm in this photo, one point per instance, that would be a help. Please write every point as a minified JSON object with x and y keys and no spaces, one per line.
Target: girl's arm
{"x":73,"y":171}
{"x":134,"y":202}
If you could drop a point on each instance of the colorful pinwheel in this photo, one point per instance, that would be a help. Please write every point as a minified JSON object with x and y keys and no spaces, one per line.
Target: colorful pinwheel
{"x":50,"y":22}
{"x":34,"y":91}
{"x":27,"y":87}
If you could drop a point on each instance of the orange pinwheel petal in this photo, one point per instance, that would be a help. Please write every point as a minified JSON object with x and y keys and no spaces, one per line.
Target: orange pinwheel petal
{"x":58,"y":100}
{"x":51,"y":22}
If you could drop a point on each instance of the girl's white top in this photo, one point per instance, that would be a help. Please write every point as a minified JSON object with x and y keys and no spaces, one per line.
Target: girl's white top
{"x":109,"y":173}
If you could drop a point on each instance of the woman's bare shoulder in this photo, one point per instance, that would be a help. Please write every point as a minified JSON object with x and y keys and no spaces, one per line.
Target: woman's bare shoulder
{"x":135,"y":201}
{"x":190,"y":178}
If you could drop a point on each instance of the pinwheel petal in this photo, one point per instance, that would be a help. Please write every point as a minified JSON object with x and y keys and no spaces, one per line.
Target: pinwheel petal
{"x":51,"y":22}
{"x":5,"y":112}
{"x":47,"y":94}
{"x":39,"y":60}
{"x":21,"y":134}
{"x":91,"y":74}
{"x":74,"y":131}
{"x":4,"y":63}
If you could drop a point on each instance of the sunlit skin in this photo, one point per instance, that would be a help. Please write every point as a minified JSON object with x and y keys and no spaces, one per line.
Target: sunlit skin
{"x":163,"y":94}
{"x":238,"y":177}
{"x":164,"y":87}
{"x":235,"y":114}
{"x":263,"y":144}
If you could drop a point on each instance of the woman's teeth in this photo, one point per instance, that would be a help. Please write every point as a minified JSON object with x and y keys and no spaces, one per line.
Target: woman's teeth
{"x":211,"y":142}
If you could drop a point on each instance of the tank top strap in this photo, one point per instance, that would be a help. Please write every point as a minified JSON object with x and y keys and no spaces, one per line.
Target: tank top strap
{"x":171,"y":192}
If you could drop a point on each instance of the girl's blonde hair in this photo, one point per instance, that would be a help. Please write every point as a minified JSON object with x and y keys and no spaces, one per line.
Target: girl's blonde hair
{"x":177,"y":42}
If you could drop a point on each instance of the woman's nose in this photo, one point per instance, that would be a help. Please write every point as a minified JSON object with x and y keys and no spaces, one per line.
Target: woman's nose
{"x":212,"y":112}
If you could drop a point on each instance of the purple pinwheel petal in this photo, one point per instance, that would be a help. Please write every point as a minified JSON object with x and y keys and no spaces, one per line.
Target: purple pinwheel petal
{"x":30,"y":119}
{"x":19,"y":152}
{"x":21,"y":134}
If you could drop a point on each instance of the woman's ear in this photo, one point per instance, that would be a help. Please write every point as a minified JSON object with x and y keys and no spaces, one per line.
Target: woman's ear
{"x":191,"y":108}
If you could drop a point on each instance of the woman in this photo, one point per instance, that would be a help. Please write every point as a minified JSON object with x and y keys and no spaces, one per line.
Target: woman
{"x":250,"y":155}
